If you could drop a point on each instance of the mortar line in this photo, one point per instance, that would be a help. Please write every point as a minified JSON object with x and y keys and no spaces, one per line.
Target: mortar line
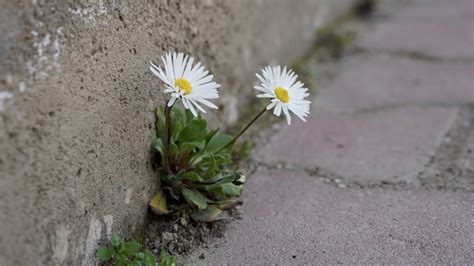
{"x":440,"y":163}
{"x":427,"y":104}
{"x":411,"y":54}
{"x":333,"y":179}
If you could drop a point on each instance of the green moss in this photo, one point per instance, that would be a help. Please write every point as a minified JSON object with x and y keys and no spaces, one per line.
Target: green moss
{"x":330,"y":44}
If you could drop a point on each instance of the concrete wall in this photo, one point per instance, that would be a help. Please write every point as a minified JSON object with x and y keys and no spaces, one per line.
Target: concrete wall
{"x":77,"y":102}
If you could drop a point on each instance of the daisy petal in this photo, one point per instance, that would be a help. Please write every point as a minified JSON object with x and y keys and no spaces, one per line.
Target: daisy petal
{"x":191,"y":84}
{"x":286,"y":93}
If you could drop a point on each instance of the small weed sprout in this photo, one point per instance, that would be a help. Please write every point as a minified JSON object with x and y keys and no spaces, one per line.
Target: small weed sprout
{"x":166,"y":259}
{"x":125,"y":253}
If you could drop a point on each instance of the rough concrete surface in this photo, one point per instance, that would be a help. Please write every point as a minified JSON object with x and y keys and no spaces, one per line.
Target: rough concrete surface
{"x":382,"y":171}
{"x":77,"y":105}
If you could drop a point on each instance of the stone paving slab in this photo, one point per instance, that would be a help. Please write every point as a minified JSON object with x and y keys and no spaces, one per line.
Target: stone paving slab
{"x":384,"y":80}
{"x":393,"y":144}
{"x":290,"y":218}
{"x":426,"y":27}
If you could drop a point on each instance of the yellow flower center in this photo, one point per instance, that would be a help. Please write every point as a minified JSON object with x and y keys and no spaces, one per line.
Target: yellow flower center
{"x":184,"y":85}
{"x":282,"y":94}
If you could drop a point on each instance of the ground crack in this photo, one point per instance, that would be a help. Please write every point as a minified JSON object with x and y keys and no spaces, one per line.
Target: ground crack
{"x":381,"y":108}
{"x":331,"y":178}
{"x":414,"y":55}
{"x":445,"y":170}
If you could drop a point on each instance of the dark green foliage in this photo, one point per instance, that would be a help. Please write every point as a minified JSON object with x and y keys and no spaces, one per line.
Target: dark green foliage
{"x":167,"y":260}
{"x":198,"y":169}
{"x":126,"y":253}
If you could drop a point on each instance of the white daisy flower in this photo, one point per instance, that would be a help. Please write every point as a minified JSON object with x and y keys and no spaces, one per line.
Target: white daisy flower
{"x":285,"y":92}
{"x":191,"y":84}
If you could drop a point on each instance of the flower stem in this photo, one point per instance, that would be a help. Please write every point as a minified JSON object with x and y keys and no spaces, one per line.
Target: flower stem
{"x":242,"y":131}
{"x":166,"y":138}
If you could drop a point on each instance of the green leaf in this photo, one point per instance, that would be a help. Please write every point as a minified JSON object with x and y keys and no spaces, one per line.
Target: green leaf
{"x":167,"y":260}
{"x":196,"y":130}
{"x":139,"y":256}
{"x":211,"y":134}
{"x":163,"y":253}
{"x":149,"y":258}
{"x":158,"y":204}
{"x":223,"y":158}
{"x":160,"y":123}
{"x":187,"y":146}
{"x":115,"y":240}
{"x":177,"y":122}
{"x":172,"y":178}
{"x":135,"y":263}
{"x":158,"y":145}
{"x":219,"y":141}
{"x":120,"y":260}
{"x":104,"y":254}
{"x":226,"y":190}
{"x":171,"y":261}
{"x":175,"y":129}
{"x":195,"y":198}
{"x":178,"y":114}
{"x":173,"y":149}
{"x":189,"y":115}
{"x":132,"y":247}
{"x":212,"y":167}
{"x":218,"y":179}
{"x":192,"y":176}
{"x":207,"y":215}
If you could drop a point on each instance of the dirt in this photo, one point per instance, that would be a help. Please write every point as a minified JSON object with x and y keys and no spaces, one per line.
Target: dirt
{"x":180,"y":235}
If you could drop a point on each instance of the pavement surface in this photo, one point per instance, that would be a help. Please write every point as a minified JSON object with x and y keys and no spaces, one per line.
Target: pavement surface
{"x":383,"y":171}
